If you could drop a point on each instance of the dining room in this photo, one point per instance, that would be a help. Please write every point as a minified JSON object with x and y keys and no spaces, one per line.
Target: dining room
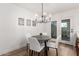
{"x":38,"y":29}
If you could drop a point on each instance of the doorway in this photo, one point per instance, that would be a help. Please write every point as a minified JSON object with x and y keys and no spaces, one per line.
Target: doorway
{"x":54,"y":29}
{"x":65,"y":29}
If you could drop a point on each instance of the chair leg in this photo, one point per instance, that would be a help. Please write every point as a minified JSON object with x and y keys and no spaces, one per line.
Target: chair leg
{"x":32,"y":53}
{"x":56,"y":52}
{"x":38,"y":54}
{"x":43,"y":53}
{"x":29,"y":53}
{"x":76,"y":51}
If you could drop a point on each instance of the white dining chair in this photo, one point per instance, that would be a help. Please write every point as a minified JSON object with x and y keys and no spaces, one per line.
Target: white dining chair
{"x":52,"y":44}
{"x":28,"y":35}
{"x":35,"y":45}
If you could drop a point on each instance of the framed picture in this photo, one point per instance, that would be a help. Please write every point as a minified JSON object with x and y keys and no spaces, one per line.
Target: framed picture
{"x":33,"y":23}
{"x":21,"y":21}
{"x":28,"y":22}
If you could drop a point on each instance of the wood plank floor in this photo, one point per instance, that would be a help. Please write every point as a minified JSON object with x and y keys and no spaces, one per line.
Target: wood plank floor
{"x":63,"y":50}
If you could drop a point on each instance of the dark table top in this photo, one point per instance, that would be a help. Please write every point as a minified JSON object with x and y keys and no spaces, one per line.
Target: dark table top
{"x":42,"y":37}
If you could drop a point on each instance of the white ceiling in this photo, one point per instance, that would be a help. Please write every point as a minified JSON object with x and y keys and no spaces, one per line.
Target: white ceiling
{"x":48,"y":7}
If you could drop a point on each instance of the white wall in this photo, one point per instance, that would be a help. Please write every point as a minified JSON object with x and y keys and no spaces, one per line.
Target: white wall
{"x":73,"y":15}
{"x":12,"y":36}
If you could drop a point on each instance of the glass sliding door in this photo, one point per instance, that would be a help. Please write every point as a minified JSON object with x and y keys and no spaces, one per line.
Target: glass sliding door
{"x":54,"y":29}
{"x":65,"y":29}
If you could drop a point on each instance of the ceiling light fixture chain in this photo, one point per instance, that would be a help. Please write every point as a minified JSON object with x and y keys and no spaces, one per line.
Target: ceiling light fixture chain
{"x":44,"y":17}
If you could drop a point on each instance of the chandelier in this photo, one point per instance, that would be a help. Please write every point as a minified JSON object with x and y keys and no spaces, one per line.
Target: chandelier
{"x":44,"y":18}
